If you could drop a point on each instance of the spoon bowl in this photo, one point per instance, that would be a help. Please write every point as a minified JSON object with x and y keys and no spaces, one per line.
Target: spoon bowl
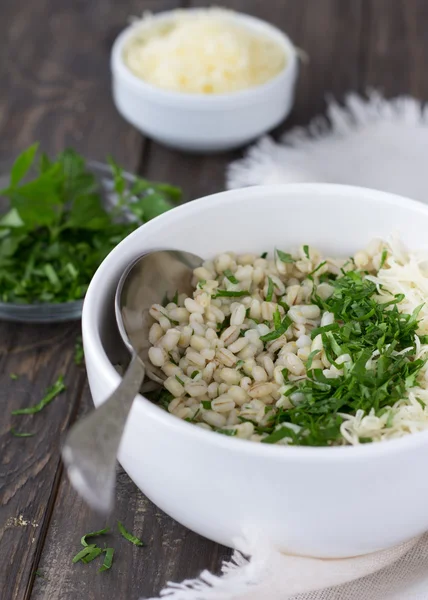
{"x":92,"y":444}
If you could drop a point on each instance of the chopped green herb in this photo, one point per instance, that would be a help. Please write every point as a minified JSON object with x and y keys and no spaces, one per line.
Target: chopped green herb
{"x":50,"y":395}
{"x":309,"y":276}
{"x":284,"y":257}
{"x":230,"y":432}
{"x":194,"y":374}
{"x":13,"y":376}
{"x":20,"y":433}
{"x":227,"y":293}
{"x":383,"y":257}
{"x":108,"y":560}
{"x":57,"y":231}
{"x":93,"y":534}
{"x":179,"y":380}
{"x":278,"y":435}
{"x":270,"y":290}
{"x":201,"y":283}
{"x":79,"y":355}
{"x":264,"y":255}
{"x":277,"y":319}
{"x":206,"y":404}
{"x":88,"y":550}
{"x":93,"y":554}
{"x":175,"y":298}
{"x":240,"y":363}
{"x":230,"y":276}
{"x":128,"y":536}
{"x":273,"y":335}
{"x":306,"y":250}
{"x":311,"y":357}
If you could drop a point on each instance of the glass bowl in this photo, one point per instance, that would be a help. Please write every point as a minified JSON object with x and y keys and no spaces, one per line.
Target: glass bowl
{"x":46,"y":312}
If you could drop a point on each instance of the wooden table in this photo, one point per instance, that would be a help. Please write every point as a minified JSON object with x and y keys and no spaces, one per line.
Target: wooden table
{"x":55,"y":87}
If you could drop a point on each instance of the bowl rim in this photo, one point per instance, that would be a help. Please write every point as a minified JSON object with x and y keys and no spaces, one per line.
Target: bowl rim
{"x":208,"y":101}
{"x":94,"y":347}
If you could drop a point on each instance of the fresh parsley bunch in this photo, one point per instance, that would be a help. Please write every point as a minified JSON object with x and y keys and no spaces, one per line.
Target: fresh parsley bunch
{"x":57,"y":230}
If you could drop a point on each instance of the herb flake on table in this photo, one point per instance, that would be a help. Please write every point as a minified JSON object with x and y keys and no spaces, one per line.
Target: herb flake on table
{"x":51,"y":393}
{"x":129,"y":536}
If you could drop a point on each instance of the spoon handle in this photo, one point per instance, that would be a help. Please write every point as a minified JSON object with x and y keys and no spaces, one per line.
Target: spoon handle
{"x":92,"y":444}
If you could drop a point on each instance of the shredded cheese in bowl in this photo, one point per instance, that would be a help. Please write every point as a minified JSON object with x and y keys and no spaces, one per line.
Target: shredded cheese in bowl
{"x":203,"y":52}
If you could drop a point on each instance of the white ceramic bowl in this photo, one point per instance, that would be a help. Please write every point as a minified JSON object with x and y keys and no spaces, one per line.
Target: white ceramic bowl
{"x":197,"y":122}
{"x":326,"y":502}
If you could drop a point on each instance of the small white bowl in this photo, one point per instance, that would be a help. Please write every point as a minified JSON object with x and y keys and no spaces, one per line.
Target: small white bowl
{"x":325,"y":502}
{"x":198,"y":122}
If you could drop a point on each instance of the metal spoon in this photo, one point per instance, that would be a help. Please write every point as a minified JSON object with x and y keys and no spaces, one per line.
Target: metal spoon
{"x":92,"y":444}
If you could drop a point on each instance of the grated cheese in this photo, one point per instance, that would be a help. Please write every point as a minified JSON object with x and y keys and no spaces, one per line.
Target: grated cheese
{"x":202,"y":52}
{"x":402,"y":273}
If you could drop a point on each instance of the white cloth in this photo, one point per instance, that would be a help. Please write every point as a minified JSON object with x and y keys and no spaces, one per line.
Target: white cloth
{"x":369,"y":142}
{"x":372,"y":143}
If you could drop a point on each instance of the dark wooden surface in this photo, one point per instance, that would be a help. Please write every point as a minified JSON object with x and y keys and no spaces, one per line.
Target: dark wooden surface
{"x":55,"y":87}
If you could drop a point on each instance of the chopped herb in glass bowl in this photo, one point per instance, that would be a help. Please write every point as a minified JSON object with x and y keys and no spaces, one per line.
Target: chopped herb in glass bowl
{"x":60,"y":218}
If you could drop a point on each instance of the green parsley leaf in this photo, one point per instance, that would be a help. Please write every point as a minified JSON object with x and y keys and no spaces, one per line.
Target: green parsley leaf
{"x":93,"y":534}
{"x":264,"y":255}
{"x":206,"y":404}
{"x":306,"y":250}
{"x":179,"y":380}
{"x":230,"y":276}
{"x":57,"y":230}
{"x":86,"y":551}
{"x":270,"y":290}
{"x":284,"y":257}
{"x":273,"y":335}
{"x":50,"y":395}
{"x":383,"y":258}
{"x":20,"y":433}
{"x":108,"y":560}
{"x":277,"y":319}
{"x":229,"y":294}
{"x":194,"y":374}
{"x":79,"y":355}
{"x":229,"y":432}
{"x":128,"y":536}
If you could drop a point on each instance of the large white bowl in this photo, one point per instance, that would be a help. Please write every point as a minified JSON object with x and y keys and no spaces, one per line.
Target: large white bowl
{"x":198,"y":122}
{"x":326,"y":502}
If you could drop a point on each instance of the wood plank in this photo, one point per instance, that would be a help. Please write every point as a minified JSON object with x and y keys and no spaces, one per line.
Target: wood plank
{"x":397,"y":47}
{"x":171,"y":551}
{"x":55,"y":69}
{"x":329,"y":31}
{"x":56,"y":73}
{"x":29,"y":466}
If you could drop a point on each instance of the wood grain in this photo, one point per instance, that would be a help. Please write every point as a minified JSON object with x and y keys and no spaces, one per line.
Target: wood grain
{"x":29,"y":467}
{"x":396,"y":52}
{"x":56,"y":88}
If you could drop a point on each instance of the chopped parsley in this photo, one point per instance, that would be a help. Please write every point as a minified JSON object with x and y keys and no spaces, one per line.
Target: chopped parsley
{"x":129,"y":536}
{"x":229,"y":294}
{"x":306,"y":250}
{"x":273,"y":335}
{"x":57,"y":231}
{"x":285,"y":257}
{"x":57,"y":388}
{"x":230,"y":276}
{"x":362,"y":327}
{"x":270,"y":290}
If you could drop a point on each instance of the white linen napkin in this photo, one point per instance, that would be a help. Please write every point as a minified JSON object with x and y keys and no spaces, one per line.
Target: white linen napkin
{"x":395,"y":574}
{"x":369,"y":142}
